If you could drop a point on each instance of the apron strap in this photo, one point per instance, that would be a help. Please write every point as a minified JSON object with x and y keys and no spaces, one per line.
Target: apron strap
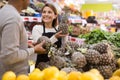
{"x":43,"y":28}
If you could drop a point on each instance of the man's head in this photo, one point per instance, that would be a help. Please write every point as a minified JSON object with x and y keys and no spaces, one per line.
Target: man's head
{"x":22,"y":3}
{"x":75,"y":30}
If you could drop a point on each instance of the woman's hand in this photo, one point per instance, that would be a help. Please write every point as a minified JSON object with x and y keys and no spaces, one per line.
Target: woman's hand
{"x":59,"y":34}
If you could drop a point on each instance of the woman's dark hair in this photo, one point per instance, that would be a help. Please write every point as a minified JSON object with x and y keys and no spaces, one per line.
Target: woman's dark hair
{"x":54,"y":24}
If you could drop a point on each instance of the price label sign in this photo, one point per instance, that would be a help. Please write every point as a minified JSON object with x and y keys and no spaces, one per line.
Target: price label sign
{"x":75,"y":39}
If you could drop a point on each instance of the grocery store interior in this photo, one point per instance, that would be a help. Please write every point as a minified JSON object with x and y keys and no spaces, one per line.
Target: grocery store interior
{"x":92,"y":48}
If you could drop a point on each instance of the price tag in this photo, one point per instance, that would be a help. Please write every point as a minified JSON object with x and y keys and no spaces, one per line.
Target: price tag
{"x":75,"y":39}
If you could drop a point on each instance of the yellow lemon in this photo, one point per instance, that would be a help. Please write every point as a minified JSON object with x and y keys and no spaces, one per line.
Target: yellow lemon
{"x":115,"y":78}
{"x":97,"y":73}
{"x":51,"y":73}
{"x":9,"y":75}
{"x":74,"y":75}
{"x":116,"y":73}
{"x":22,"y":77}
{"x":36,"y":70}
{"x":36,"y":75}
{"x":88,"y":76}
{"x":118,"y":62}
{"x":62,"y":75}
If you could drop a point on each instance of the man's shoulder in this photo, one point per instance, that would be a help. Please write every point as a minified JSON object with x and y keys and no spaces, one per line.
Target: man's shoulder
{"x":8,"y":10}
{"x":9,"y":14}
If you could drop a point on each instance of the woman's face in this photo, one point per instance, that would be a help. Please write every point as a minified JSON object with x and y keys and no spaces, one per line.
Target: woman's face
{"x":48,"y":15}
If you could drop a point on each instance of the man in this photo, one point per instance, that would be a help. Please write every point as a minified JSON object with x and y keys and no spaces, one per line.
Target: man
{"x":1,"y":4}
{"x":14,"y":51}
{"x":75,"y":30}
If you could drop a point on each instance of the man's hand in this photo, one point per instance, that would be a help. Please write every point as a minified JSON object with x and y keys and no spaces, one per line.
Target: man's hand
{"x":39,"y":49}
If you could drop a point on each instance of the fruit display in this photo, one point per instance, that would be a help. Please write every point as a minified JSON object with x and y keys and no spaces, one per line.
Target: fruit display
{"x":73,"y":57}
{"x":53,"y":73}
{"x":72,"y":61}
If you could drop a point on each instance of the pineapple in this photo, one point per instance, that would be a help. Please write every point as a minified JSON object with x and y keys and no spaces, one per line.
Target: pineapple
{"x":59,"y":53}
{"x":92,"y":56}
{"x":47,"y":44}
{"x":71,"y":46}
{"x":68,"y":69}
{"x":62,"y":49}
{"x":43,"y":65}
{"x":105,"y":59}
{"x":106,"y":71}
{"x":63,"y":26}
{"x":100,"y":47}
{"x":78,"y":59}
{"x":57,"y":61}
{"x":114,"y":64}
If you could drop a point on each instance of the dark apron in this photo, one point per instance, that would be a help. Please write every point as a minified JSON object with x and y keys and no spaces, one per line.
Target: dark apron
{"x":44,"y":57}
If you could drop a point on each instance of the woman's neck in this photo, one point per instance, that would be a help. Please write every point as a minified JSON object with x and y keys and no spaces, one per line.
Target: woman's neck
{"x":48,"y":25}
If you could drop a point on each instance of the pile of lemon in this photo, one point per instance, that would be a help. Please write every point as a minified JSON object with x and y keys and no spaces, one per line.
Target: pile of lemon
{"x":52,"y":73}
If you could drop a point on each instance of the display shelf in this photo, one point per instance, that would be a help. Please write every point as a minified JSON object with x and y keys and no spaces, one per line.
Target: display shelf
{"x":38,"y":19}
{"x":31,"y":19}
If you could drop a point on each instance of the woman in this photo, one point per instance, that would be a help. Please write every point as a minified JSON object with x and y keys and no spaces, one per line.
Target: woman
{"x":48,"y":28}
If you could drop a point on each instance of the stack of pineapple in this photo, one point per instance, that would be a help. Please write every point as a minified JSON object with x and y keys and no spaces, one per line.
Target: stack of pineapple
{"x":101,"y":57}
{"x":66,"y":58}
{"x":74,"y":57}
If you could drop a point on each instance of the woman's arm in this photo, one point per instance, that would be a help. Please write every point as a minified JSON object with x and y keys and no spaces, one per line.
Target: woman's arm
{"x":37,"y":32}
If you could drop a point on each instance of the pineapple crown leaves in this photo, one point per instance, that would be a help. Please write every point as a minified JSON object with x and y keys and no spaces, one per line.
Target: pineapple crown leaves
{"x":64,"y":18}
{"x":69,"y":50}
{"x":83,"y":50}
{"x":51,"y":51}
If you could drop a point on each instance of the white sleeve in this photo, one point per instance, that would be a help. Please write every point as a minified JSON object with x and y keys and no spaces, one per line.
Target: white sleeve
{"x":53,"y":39}
{"x":37,"y":32}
